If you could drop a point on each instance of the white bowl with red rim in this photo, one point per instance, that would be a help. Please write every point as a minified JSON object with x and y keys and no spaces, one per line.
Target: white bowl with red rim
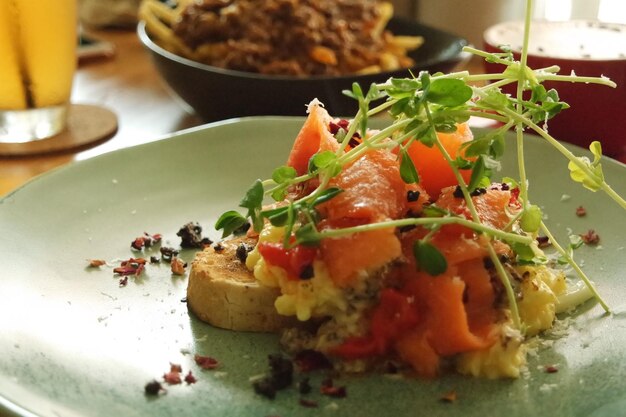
{"x":586,"y":48}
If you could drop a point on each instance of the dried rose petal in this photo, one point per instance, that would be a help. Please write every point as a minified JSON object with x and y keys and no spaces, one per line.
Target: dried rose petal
{"x":138,"y":243}
{"x":328,"y":388}
{"x":551,"y":369}
{"x":145,"y":241}
{"x":190,"y":378}
{"x":308,"y":403}
{"x":591,"y":237}
{"x":311,"y":360}
{"x":206,"y":362}
{"x":543,"y":241}
{"x":132,"y":266}
{"x":125,"y":270}
{"x":172,"y":378}
{"x":156,"y":238}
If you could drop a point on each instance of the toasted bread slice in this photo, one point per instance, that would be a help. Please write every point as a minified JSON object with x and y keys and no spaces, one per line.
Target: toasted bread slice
{"x":224,"y":293}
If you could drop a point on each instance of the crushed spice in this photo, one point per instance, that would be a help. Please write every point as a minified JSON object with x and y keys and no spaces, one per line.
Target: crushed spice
{"x":167,"y":253}
{"x":311,"y":360}
{"x":412,"y":196}
{"x":304,"y":386}
{"x":191,"y":236}
{"x":449,"y":397}
{"x":153,"y":388}
{"x":178,"y":266}
{"x":280,"y":377}
{"x":581,"y":211}
{"x":242,"y":252}
{"x":265,"y":387}
{"x":96,"y":263}
{"x":329,"y":389}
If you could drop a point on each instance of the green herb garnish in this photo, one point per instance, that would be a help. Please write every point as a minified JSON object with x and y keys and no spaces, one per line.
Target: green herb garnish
{"x":421,"y":106}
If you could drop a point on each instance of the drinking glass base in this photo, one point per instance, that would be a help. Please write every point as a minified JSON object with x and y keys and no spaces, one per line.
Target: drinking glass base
{"x":20,"y":126}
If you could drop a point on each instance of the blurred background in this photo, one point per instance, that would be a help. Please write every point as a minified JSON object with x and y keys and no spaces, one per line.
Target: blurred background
{"x":468,"y":19}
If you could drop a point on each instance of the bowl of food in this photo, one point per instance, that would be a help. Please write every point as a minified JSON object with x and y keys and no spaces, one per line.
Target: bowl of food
{"x":240,"y":58}
{"x":583,"y":48}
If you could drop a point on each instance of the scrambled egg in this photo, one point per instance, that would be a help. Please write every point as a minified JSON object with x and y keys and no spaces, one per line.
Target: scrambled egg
{"x":504,"y":359}
{"x":318,"y":297}
{"x":315,"y":297}
{"x":539,"y":289}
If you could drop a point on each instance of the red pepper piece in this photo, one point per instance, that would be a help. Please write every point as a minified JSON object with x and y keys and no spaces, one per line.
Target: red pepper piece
{"x":295,"y":260}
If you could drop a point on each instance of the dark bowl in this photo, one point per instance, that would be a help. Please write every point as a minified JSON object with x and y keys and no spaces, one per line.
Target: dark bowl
{"x":217,"y":93}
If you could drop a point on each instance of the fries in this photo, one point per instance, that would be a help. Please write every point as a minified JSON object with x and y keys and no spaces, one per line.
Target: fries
{"x":375,"y":51}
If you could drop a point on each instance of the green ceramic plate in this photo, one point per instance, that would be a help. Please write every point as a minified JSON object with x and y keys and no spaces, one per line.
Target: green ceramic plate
{"x":73,"y":343}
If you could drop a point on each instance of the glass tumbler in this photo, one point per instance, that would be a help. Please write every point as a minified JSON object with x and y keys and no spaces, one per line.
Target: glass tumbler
{"x":37,"y":63}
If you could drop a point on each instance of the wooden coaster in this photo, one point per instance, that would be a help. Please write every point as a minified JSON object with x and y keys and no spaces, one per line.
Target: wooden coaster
{"x":86,"y":125}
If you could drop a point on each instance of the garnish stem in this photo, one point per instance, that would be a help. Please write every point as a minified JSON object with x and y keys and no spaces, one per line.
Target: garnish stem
{"x":575,"y":78}
{"x":427,"y":221}
{"x":575,"y":266}
{"x":569,"y":155}
{"x":502,"y":274}
{"x":510,"y":294}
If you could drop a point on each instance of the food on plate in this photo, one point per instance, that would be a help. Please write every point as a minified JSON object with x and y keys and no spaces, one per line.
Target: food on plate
{"x":385,"y":254}
{"x":282,"y":37}
{"x":368,"y":299}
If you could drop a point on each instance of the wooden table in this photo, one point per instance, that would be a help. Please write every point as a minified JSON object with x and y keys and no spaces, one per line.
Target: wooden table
{"x":129,"y":85}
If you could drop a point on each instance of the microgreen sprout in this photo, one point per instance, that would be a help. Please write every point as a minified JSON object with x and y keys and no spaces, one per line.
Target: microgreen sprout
{"x":422,"y":106}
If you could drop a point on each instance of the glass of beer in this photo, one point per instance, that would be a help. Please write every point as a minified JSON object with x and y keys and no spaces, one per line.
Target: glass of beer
{"x":37,"y":63}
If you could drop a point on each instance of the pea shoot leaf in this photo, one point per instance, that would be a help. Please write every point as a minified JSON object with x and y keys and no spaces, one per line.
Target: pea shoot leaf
{"x":429,"y":258}
{"x":283,"y":174}
{"x":408,"y":172}
{"x":593,"y":180}
{"x":326,"y":195}
{"x":527,"y":255}
{"x":433,"y":210}
{"x":491,"y":144}
{"x":278,"y":216}
{"x":253,"y":201}
{"x":229,"y":222}
{"x":482,"y":171}
{"x":307,"y":235}
{"x":449,"y":92}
